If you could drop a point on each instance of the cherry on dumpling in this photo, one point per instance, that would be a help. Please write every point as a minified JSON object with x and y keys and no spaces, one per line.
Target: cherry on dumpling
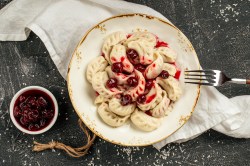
{"x":131,"y":53}
{"x":132,"y":56}
{"x":141,"y":98}
{"x":132,"y":81}
{"x":164,"y":74}
{"x":149,"y":84}
{"x":126,"y":99}
{"x":140,"y":68}
{"x":112,"y":83}
{"x":117,"y":67}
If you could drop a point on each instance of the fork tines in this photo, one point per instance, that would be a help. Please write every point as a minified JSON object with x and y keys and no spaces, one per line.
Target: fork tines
{"x":202,"y":77}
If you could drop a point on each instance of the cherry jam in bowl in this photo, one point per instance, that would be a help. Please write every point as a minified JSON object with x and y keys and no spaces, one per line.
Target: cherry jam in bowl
{"x":33,"y":110}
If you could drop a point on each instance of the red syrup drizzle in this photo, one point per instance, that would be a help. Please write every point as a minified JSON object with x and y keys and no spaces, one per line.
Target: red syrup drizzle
{"x":129,"y":35}
{"x":150,"y":98}
{"x":160,"y":43}
{"x":122,"y":58}
{"x":178,"y":71}
{"x":113,"y":59}
{"x":177,"y":74}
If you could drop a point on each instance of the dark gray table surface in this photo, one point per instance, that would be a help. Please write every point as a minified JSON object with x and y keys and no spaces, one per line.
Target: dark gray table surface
{"x":219,"y":32}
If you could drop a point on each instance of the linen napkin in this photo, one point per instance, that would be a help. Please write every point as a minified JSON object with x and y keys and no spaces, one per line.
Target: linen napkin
{"x":60,"y":24}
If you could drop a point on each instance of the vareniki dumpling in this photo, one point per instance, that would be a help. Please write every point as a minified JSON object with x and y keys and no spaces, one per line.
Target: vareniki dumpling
{"x":109,"y":117}
{"x":144,"y":49}
{"x":101,"y":98}
{"x":153,"y":98}
{"x":98,"y":84}
{"x":167,"y":54}
{"x":96,"y":65}
{"x":134,"y":92}
{"x":116,"y":107}
{"x":171,"y":86}
{"x":147,"y":36}
{"x":161,"y":109}
{"x":110,"y":41}
{"x":144,"y":121}
{"x":170,"y":68}
{"x":118,"y":54}
{"x":154,"y":69}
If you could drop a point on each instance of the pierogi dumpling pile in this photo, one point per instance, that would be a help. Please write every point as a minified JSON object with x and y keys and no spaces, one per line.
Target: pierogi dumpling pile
{"x":135,"y":78}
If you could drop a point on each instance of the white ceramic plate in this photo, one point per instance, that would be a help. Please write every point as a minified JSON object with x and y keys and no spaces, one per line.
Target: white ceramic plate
{"x":82,"y":94}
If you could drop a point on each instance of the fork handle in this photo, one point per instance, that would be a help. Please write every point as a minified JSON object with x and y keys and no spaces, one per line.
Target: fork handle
{"x":239,"y":81}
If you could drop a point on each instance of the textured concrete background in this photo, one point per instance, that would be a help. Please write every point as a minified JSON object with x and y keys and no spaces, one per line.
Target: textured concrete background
{"x":218,"y":30}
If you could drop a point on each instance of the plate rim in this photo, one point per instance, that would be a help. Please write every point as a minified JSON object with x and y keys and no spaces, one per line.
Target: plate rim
{"x":82,"y":40}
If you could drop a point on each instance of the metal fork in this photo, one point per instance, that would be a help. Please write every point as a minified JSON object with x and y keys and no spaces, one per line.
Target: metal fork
{"x":211,"y":78}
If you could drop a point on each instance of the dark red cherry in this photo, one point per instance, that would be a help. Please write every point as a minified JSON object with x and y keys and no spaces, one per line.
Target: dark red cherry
{"x":37,"y":126}
{"x":164,"y":74}
{"x":149,"y":84}
{"x":32,"y":127}
{"x":24,"y":106}
{"x":44,"y":113}
{"x":111,"y":83}
{"x":117,"y":67}
{"x":132,"y":54}
{"x":24,"y":121}
{"x":132,"y":81}
{"x":141,"y":99}
{"x":48,"y":114}
{"x":22,"y":98}
{"x":25,"y":113}
{"x":126,"y":99}
{"x":42,"y":122}
{"x":17,"y":112}
{"x":33,"y":115}
{"x":140,"y":67}
{"x":31,"y":101}
{"x":42,"y":102}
